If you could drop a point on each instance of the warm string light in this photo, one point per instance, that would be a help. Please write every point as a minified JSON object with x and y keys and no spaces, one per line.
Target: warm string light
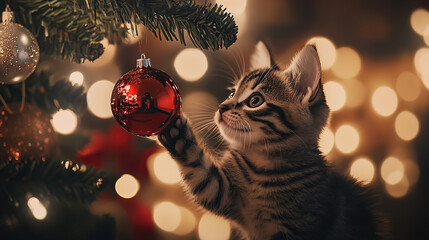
{"x":347,"y":64}
{"x":98,"y":98}
{"x":421,"y":60}
{"x":384,"y":101}
{"x":408,"y":86}
{"x":212,"y":227}
{"x":407,"y":125}
{"x":64,"y":122}
{"x":363,"y":170}
{"x":347,"y":139}
{"x":167,"y":216}
{"x":166,"y":169}
{"x":326,"y":51}
{"x":335,"y":95}
{"x":76,"y":78}
{"x":392,"y":170}
{"x":37,"y":208}
{"x":127,"y":186}
{"x":419,"y":20}
{"x":191,"y":64}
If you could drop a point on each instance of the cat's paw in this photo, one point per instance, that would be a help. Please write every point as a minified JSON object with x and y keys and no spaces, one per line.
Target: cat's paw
{"x":173,"y":137}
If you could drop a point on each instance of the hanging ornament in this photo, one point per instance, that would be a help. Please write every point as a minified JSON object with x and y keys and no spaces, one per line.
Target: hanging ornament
{"x":27,"y":134}
{"x":145,"y":99}
{"x":19,"y":51}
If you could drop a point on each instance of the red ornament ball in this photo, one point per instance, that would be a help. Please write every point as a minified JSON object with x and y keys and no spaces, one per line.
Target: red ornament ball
{"x":145,"y":100}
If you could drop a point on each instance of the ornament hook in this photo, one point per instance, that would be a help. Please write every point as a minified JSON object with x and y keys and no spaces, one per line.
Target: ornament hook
{"x":7,"y":15}
{"x":143,"y":61}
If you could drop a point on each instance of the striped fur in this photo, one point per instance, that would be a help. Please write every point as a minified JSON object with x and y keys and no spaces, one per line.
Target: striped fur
{"x":272,"y":181}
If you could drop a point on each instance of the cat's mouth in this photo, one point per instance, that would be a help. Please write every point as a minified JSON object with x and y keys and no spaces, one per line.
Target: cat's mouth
{"x":225,"y":121}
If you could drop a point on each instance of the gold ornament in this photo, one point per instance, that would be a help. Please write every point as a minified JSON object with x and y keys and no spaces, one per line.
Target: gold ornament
{"x":27,"y":134}
{"x":19,"y":51}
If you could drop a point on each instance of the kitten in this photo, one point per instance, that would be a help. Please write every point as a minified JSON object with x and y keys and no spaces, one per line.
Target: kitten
{"x":272,"y":181}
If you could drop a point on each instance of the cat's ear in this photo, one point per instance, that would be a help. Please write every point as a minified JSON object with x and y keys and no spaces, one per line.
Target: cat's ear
{"x":261,"y":57}
{"x":306,"y":73}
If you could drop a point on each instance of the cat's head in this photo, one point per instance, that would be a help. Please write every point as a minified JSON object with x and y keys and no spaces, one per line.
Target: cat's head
{"x":274,"y":106}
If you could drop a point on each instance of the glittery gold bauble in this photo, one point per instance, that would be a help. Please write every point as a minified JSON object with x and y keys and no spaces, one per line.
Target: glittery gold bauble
{"x":27,"y":134}
{"x":19,"y":53}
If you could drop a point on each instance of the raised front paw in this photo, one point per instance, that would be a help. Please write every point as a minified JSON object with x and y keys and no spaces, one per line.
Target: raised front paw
{"x":174,"y":136}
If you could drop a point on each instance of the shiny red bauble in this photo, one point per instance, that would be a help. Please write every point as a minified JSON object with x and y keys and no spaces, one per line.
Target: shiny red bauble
{"x":145,"y":100}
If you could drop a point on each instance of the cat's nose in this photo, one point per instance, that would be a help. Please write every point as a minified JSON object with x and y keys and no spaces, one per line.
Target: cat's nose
{"x":223,"y":108}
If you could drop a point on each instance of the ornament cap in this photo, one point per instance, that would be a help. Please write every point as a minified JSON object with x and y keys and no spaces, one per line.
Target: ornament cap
{"x":7,"y":15}
{"x":143,"y":61}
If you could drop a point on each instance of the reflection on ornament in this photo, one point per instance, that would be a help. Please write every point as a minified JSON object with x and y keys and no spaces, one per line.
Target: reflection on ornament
{"x":27,"y":134}
{"x":19,"y":51}
{"x":145,"y":100}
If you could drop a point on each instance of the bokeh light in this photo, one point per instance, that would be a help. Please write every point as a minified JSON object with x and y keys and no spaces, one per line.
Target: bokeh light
{"x":419,"y":20}
{"x":37,"y":209}
{"x":426,"y":35}
{"x":347,"y":139}
{"x":335,"y":95}
{"x":398,"y":190}
{"x":167,"y":216}
{"x":187,"y":223}
{"x":212,"y":227}
{"x":191,"y":64}
{"x":127,"y":186}
{"x":235,"y":7}
{"x":384,"y":101}
{"x":98,"y":98}
{"x":407,"y":125}
{"x":106,"y":58}
{"x":76,"y":78}
{"x":326,"y":50}
{"x":166,"y":169}
{"x":355,"y":92}
{"x":421,"y":61}
{"x":408,"y":86}
{"x":347,"y":63}
{"x":64,"y":122}
{"x":362,"y":169}
{"x":326,"y":141}
{"x":392,"y":170}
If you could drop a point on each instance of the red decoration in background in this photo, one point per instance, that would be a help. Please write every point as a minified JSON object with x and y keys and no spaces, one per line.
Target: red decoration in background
{"x":116,"y":150}
{"x":145,"y":100}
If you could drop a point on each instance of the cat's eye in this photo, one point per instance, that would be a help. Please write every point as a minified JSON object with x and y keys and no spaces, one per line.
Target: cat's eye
{"x":255,"y":101}
{"x":231,"y":95}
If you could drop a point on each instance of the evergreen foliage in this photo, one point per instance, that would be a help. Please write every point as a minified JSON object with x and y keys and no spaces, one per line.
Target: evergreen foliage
{"x":73,"y":30}
{"x":48,"y":92}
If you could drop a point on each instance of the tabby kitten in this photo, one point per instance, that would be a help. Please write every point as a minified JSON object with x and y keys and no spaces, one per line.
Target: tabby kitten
{"x":272,"y":181}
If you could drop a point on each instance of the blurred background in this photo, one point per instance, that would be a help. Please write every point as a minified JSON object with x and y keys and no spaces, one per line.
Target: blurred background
{"x":375,"y":61}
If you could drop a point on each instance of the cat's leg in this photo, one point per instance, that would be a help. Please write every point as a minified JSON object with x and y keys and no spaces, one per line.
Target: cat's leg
{"x":209,"y":184}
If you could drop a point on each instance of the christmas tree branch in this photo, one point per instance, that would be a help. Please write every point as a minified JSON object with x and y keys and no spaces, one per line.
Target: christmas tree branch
{"x":50,"y":94}
{"x":49,"y":179}
{"x":73,"y":30}
{"x":60,"y":29}
{"x":208,"y":26}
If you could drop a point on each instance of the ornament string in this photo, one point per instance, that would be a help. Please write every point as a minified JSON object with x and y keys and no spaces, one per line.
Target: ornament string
{"x":5,"y":105}
{"x":22,"y":97}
